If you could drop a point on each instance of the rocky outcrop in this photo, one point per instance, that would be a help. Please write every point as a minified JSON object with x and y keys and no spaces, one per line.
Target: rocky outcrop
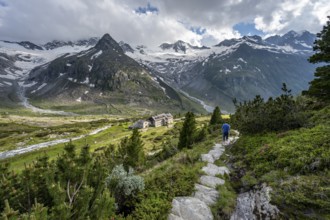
{"x":255,"y":204}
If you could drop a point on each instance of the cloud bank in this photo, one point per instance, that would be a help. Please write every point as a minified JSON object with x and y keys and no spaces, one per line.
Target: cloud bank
{"x":154,"y":22}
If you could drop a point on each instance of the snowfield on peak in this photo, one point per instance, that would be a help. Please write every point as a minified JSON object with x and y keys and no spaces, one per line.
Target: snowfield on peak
{"x":26,"y":59}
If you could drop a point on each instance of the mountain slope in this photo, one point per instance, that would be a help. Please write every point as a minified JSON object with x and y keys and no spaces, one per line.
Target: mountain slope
{"x":102,"y":75}
{"x":235,"y":68}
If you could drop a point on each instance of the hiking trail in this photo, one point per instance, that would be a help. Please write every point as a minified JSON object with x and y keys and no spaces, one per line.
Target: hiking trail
{"x":197,"y":206}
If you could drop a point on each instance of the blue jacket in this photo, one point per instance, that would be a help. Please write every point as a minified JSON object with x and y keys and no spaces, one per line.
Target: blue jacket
{"x":225,"y":128}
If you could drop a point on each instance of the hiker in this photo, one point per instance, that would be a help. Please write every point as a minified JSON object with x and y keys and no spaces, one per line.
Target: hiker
{"x":225,"y":131}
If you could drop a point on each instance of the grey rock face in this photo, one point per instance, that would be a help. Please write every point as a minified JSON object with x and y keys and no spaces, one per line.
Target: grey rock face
{"x":189,"y":208}
{"x":255,"y":204}
{"x":211,"y":181}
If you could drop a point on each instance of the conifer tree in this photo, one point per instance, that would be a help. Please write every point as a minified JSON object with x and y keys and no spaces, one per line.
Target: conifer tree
{"x":320,"y":86}
{"x":188,"y":131}
{"x":9,"y":213}
{"x":131,"y":150}
{"x":216,"y":117}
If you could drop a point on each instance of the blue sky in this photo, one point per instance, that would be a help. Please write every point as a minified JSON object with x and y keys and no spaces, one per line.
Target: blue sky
{"x":152,"y":22}
{"x":247,"y":29}
{"x":145,"y":10}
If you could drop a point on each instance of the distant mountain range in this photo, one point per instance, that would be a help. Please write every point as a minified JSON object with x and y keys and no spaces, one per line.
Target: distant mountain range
{"x":235,"y":68}
{"x":93,"y":75}
{"x":102,"y":72}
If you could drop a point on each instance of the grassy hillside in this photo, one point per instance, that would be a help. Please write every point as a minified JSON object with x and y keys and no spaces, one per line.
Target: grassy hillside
{"x":295,"y":163}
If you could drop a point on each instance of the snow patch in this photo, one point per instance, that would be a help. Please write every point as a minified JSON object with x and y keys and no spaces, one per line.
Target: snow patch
{"x":242,"y":60}
{"x":236,"y":67}
{"x":90,"y":67}
{"x":40,"y":87}
{"x":86,"y":81}
{"x":227,"y":71}
{"x":28,"y":85}
{"x":8,"y":83}
{"x":7,"y":76}
{"x":96,"y":55}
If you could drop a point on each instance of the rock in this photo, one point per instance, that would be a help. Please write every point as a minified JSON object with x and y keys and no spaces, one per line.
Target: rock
{"x":206,"y":194}
{"x":207,"y":158}
{"x":218,"y":147}
{"x":189,"y":208}
{"x":211,"y":181}
{"x":255,"y":204}
{"x":216,"y":153}
{"x":213,"y":170}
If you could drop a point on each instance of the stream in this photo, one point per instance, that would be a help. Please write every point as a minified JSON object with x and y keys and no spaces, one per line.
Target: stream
{"x":26,"y":104}
{"x":208,"y":108}
{"x":22,"y":150}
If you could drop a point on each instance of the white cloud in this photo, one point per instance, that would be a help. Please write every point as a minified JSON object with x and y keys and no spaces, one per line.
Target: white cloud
{"x":44,"y":20}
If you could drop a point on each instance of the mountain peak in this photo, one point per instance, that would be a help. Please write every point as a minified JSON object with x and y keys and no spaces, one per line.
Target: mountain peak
{"x":107,"y":43}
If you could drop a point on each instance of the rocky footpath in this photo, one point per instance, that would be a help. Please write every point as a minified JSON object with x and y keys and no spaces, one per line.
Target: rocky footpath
{"x":197,"y":206}
{"x":251,"y":205}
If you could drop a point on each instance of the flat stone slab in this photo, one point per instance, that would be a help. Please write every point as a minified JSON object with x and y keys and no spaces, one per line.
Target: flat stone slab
{"x":213,"y":154}
{"x":212,"y":170}
{"x":211,"y":181}
{"x":216,"y":153}
{"x":207,"y":158}
{"x":206,"y":194}
{"x":189,"y":208}
{"x":218,"y":147}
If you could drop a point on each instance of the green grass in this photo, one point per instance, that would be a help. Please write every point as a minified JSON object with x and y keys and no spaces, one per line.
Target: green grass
{"x":13,"y":135}
{"x":153,"y":139}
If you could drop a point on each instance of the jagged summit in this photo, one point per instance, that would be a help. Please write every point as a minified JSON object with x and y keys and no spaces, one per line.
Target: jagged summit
{"x":83,"y":42}
{"x":126,"y":47}
{"x":108,"y":43}
{"x":180,"y":46}
{"x":26,"y":44}
{"x":301,"y":41}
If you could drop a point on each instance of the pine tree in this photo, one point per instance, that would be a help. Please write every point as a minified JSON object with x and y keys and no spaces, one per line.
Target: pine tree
{"x":188,"y":131}
{"x":9,"y":213}
{"x":320,"y":86}
{"x":216,"y":117}
{"x":131,"y":150}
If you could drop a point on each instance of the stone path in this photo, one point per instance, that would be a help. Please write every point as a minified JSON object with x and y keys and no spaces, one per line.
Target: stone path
{"x":197,"y":206}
